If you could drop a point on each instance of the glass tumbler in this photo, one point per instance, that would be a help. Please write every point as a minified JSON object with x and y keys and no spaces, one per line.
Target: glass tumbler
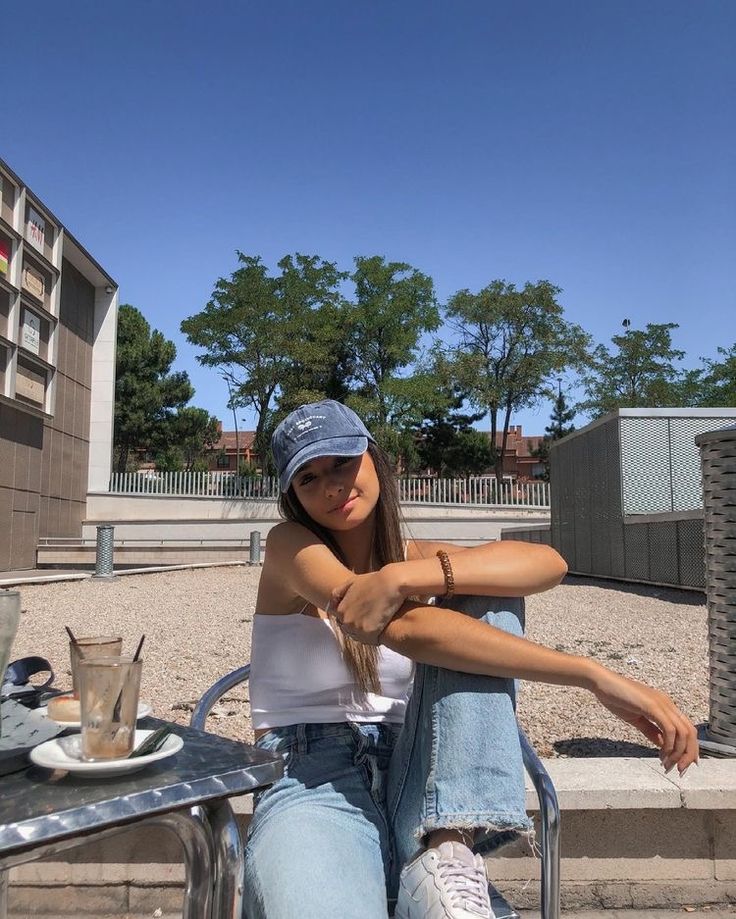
{"x":108,"y":692}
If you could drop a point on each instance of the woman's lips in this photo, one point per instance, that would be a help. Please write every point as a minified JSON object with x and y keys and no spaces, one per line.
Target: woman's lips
{"x":347,"y":505}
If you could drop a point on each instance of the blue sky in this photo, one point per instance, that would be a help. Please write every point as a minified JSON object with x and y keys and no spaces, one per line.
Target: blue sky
{"x":591,"y":144}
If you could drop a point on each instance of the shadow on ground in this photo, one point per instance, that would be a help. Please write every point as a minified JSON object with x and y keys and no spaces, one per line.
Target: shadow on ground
{"x":669,"y":594}
{"x":600,"y":746}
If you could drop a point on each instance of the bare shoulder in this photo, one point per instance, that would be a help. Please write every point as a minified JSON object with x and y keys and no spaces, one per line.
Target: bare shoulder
{"x":298,"y":567}
{"x":285,"y":539}
{"x":425,"y":548}
{"x":276,"y":596}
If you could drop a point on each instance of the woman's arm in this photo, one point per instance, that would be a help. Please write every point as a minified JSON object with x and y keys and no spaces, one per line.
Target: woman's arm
{"x":367,"y":602}
{"x":446,"y":638}
{"x":496,"y":569}
{"x":299,"y":565}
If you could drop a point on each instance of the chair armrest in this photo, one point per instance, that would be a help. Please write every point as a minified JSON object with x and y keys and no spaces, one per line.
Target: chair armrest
{"x":549,"y":812}
{"x":216,"y":692}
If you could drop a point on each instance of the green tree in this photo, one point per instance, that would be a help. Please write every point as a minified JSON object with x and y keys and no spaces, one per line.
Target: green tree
{"x":169,"y":459}
{"x":321,"y":359}
{"x":146,"y":392}
{"x":716,"y":381}
{"x":560,"y":426}
{"x":639,"y":372}
{"x":449,"y":445}
{"x":511,"y":342}
{"x":271,"y":334}
{"x":191,"y":433}
{"x":394,"y":305}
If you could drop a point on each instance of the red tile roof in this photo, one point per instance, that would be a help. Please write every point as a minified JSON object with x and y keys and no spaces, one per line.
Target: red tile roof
{"x":227,"y":440}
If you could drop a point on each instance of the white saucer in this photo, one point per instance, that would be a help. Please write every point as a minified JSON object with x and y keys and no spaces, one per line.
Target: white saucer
{"x":143,"y":709}
{"x":66,"y":753}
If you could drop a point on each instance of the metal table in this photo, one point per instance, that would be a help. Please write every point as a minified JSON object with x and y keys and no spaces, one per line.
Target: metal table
{"x":43,"y":813}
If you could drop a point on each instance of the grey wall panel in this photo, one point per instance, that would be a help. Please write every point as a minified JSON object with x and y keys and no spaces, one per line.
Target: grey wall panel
{"x":562,"y":479}
{"x":636,"y":551}
{"x":663,"y":553}
{"x":691,"y":553}
{"x":617,"y":545}
{"x":582,"y":501}
{"x":614,"y":491}
{"x":603,"y":479}
{"x":539,"y":535}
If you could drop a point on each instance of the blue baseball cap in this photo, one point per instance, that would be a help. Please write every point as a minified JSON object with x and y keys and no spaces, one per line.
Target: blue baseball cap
{"x":326,"y":428}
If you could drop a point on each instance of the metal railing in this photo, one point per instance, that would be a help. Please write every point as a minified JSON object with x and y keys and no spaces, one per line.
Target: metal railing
{"x":472,"y":490}
{"x":195,"y":484}
{"x":475,"y":490}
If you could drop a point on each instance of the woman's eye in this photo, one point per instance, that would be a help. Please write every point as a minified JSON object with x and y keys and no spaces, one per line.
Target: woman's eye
{"x":341,"y":460}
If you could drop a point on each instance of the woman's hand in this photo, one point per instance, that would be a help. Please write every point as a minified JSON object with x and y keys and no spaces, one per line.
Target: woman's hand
{"x":366,"y":603}
{"x":653,"y":713}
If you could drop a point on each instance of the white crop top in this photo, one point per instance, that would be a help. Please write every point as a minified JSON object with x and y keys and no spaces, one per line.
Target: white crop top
{"x":298,"y":676}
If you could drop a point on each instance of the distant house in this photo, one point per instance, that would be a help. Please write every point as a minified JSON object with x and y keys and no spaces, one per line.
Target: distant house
{"x":223,"y":457}
{"x":519,"y":462}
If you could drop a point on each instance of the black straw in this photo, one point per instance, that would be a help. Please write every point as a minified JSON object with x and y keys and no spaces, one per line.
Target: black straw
{"x":138,"y":649}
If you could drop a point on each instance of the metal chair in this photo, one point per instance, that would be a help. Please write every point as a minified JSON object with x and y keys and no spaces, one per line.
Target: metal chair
{"x":548,"y":807}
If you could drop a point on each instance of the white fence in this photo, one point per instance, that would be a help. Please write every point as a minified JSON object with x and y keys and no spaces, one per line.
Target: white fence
{"x":195,"y":484}
{"x":482,"y":489}
{"x":473,"y":490}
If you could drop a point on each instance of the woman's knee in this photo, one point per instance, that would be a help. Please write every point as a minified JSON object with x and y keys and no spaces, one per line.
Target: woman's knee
{"x":506,"y":613}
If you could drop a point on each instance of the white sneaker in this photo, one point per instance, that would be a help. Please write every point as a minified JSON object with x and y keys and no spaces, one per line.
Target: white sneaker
{"x":448,"y":882}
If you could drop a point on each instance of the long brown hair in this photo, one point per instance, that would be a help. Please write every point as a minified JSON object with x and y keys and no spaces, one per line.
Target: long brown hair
{"x":388,"y":547}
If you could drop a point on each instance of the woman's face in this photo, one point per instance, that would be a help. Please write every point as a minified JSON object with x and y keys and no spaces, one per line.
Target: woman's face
{"x":338,"y":492}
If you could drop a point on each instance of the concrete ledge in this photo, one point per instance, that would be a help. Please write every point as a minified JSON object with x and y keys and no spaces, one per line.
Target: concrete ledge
{"x":631,"y":838}
{"x":603,"y":783}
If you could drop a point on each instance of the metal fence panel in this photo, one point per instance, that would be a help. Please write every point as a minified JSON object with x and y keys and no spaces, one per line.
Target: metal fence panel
{"x":645,"y":465}
{"x":687,"y":486}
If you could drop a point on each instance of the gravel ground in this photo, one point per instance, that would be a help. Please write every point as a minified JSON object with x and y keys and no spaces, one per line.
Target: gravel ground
{"x":198,"y":622}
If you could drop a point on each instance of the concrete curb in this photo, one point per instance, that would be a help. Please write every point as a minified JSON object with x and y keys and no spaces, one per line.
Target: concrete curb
{"x":50,"y":578}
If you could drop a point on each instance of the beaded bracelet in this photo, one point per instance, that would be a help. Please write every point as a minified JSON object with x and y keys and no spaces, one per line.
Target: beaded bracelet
{"x":447,"y":572}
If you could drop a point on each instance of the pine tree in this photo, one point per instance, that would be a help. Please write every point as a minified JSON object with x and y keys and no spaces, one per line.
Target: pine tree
{"x":560,"y":419}
{"x":558,"y":428}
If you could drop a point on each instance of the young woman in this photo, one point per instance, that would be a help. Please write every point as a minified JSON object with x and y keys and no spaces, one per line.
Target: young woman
{"x":396,"y":775}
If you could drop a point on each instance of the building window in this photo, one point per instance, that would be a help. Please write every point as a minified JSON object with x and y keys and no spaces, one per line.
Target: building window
{"x":223,"y":461}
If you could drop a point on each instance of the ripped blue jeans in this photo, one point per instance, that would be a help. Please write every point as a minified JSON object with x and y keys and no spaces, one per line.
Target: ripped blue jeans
{"x":329,"y":838}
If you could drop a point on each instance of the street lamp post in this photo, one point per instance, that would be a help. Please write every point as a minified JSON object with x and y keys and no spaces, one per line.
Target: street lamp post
{"x":235,"y":419}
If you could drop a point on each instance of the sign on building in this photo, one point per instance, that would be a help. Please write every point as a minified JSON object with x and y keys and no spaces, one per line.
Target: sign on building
{"x":33,"y":281}
{"x":31,"y":332}
{"x":36,"y":229}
